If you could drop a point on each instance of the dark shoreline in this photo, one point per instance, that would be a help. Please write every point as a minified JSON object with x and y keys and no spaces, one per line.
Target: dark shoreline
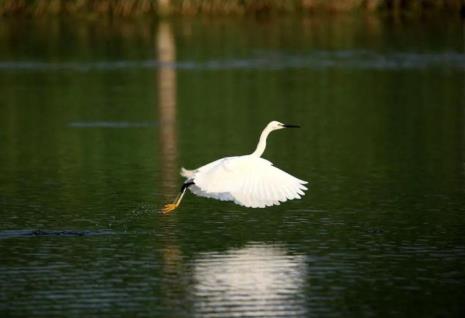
{"x":225,"y":7}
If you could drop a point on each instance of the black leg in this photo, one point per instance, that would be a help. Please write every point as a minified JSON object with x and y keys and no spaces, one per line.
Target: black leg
{"x":186,"y":185}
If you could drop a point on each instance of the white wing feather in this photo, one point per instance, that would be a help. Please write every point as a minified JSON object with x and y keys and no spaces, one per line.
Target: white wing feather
{"x":247,"y":180}
{"x":186,"y":173}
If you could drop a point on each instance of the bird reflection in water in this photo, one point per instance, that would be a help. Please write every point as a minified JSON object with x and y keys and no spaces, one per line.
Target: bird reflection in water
{"x":257,"y":280}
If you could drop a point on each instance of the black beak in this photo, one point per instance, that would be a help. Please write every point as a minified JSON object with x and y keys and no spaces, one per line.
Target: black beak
{"x":291,"y":126}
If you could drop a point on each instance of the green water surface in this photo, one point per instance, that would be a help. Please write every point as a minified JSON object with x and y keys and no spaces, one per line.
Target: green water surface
{"x":98,"y":116}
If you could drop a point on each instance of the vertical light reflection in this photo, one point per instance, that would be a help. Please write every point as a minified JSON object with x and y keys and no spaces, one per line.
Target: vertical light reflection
{"x":167,"y":106}
{"x":463,"y":107}
{"x":257,"y":280}
{"x":166,"y":85}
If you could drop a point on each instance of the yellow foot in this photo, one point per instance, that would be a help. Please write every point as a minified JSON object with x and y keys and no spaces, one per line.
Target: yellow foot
{"x":169,"y":207}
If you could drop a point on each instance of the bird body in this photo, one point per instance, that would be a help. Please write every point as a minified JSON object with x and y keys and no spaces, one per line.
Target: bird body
{"x":249,"y":180}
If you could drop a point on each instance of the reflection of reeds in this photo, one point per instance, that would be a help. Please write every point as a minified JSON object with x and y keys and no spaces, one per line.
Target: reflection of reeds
{"x":167,"y":105}
{"x":235,"y":7}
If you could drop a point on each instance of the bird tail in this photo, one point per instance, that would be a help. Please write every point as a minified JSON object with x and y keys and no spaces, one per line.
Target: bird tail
{"x":186,"y":173}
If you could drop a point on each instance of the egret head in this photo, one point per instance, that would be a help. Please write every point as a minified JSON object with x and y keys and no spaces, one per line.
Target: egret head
{"x":275,"y":125}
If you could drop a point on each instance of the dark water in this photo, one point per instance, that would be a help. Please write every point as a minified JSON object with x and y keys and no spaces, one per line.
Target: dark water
{"x":97,"y":117}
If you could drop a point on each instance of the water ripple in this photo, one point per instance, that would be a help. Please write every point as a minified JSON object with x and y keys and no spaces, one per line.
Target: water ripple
{"x":343,"y":59}
{"x":111,"y":124}
{"x":6,"y":234}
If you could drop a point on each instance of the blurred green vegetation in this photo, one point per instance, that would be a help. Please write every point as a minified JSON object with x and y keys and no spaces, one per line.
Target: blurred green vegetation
{"x":221,"y":7}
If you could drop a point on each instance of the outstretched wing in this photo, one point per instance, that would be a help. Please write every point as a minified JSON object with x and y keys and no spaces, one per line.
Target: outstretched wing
{"x":247,"y":180}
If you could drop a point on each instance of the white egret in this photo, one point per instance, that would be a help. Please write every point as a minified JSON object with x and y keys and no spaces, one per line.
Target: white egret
{"x":249,"y":180}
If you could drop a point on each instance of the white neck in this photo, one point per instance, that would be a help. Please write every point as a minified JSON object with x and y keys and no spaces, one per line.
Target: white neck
{"x":262,"y":142}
